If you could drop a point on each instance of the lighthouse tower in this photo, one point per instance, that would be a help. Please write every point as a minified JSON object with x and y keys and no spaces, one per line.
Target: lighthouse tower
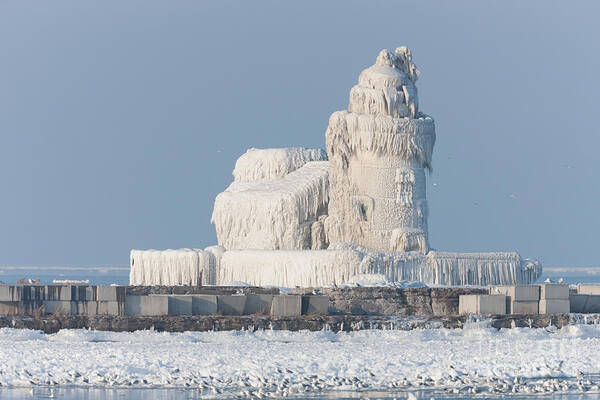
{"x":379,"y":150}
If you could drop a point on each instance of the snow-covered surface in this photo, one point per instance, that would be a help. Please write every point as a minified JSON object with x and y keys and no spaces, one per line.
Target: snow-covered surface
{"x":379,"y":280}
{"x":338,"y":264}
{"x":173,"y":267}
{"x":272,"y":214}
{"x":258,"y":164}
{"x":280,"y":362}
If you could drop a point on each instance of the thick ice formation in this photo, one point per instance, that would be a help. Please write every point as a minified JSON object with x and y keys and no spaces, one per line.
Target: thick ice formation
{"x":258,"y":164}
{"x":367,"y":205}
{"x":379,"y":150}
{"x":310,"y":268}
{"x":275,"y":214}
{"x":189,"y":267}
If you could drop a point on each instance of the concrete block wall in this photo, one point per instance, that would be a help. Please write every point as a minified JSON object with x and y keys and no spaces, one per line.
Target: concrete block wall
{"x":482,"y":304}
{"x":520,"y":299}
{"x":114,"y":300}
{"x":550,"y":298}
{"x":315,"y":304}
{"x":204,"y":304}
{"x":554,"y":298}
{"x":122,"y":300}
{"x":231,"y":304}
{"x":258,"y":303}
{"x":588,"y":289}
{"x":586,"y":300}
{"x":286,"y":305}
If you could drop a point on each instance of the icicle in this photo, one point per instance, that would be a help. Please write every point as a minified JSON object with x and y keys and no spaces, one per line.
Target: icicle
{"x":169,"y":267}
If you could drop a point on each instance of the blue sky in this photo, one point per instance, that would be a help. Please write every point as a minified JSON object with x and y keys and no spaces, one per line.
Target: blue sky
{"x":112,"y":115}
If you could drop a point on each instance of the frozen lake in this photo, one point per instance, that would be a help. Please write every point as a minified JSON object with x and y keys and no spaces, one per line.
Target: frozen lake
{"x":77,"y":364}
{"x":450,"y":362}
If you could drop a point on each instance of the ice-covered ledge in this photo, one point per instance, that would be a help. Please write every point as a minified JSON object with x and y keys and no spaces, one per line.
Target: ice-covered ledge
{"x":318,"y":268}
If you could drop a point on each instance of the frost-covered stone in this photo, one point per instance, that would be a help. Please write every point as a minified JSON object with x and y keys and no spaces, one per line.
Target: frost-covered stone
{"x":272,"y":214}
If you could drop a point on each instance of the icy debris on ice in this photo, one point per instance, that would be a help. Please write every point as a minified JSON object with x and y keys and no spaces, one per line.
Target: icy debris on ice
{"x":475,"y":362}
{"x":273,"y":214}
{"x":188,"y":267}
{"x":258,"y":164}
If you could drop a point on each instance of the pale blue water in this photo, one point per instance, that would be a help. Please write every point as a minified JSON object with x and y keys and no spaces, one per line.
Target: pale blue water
{"x":96,"y":275}
{"x":592,"y":276}
{"x":120,"y":275}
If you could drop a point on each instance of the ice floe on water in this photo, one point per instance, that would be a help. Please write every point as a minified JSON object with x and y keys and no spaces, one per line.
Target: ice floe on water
{"x":477,"y":359}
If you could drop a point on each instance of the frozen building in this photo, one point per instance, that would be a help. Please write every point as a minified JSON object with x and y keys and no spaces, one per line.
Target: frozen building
{"x":303,"y":217}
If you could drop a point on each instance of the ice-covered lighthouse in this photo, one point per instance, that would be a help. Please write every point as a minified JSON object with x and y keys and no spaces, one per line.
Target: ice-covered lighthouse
{"x":306,"y":217}
{"x":378,"y":153}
